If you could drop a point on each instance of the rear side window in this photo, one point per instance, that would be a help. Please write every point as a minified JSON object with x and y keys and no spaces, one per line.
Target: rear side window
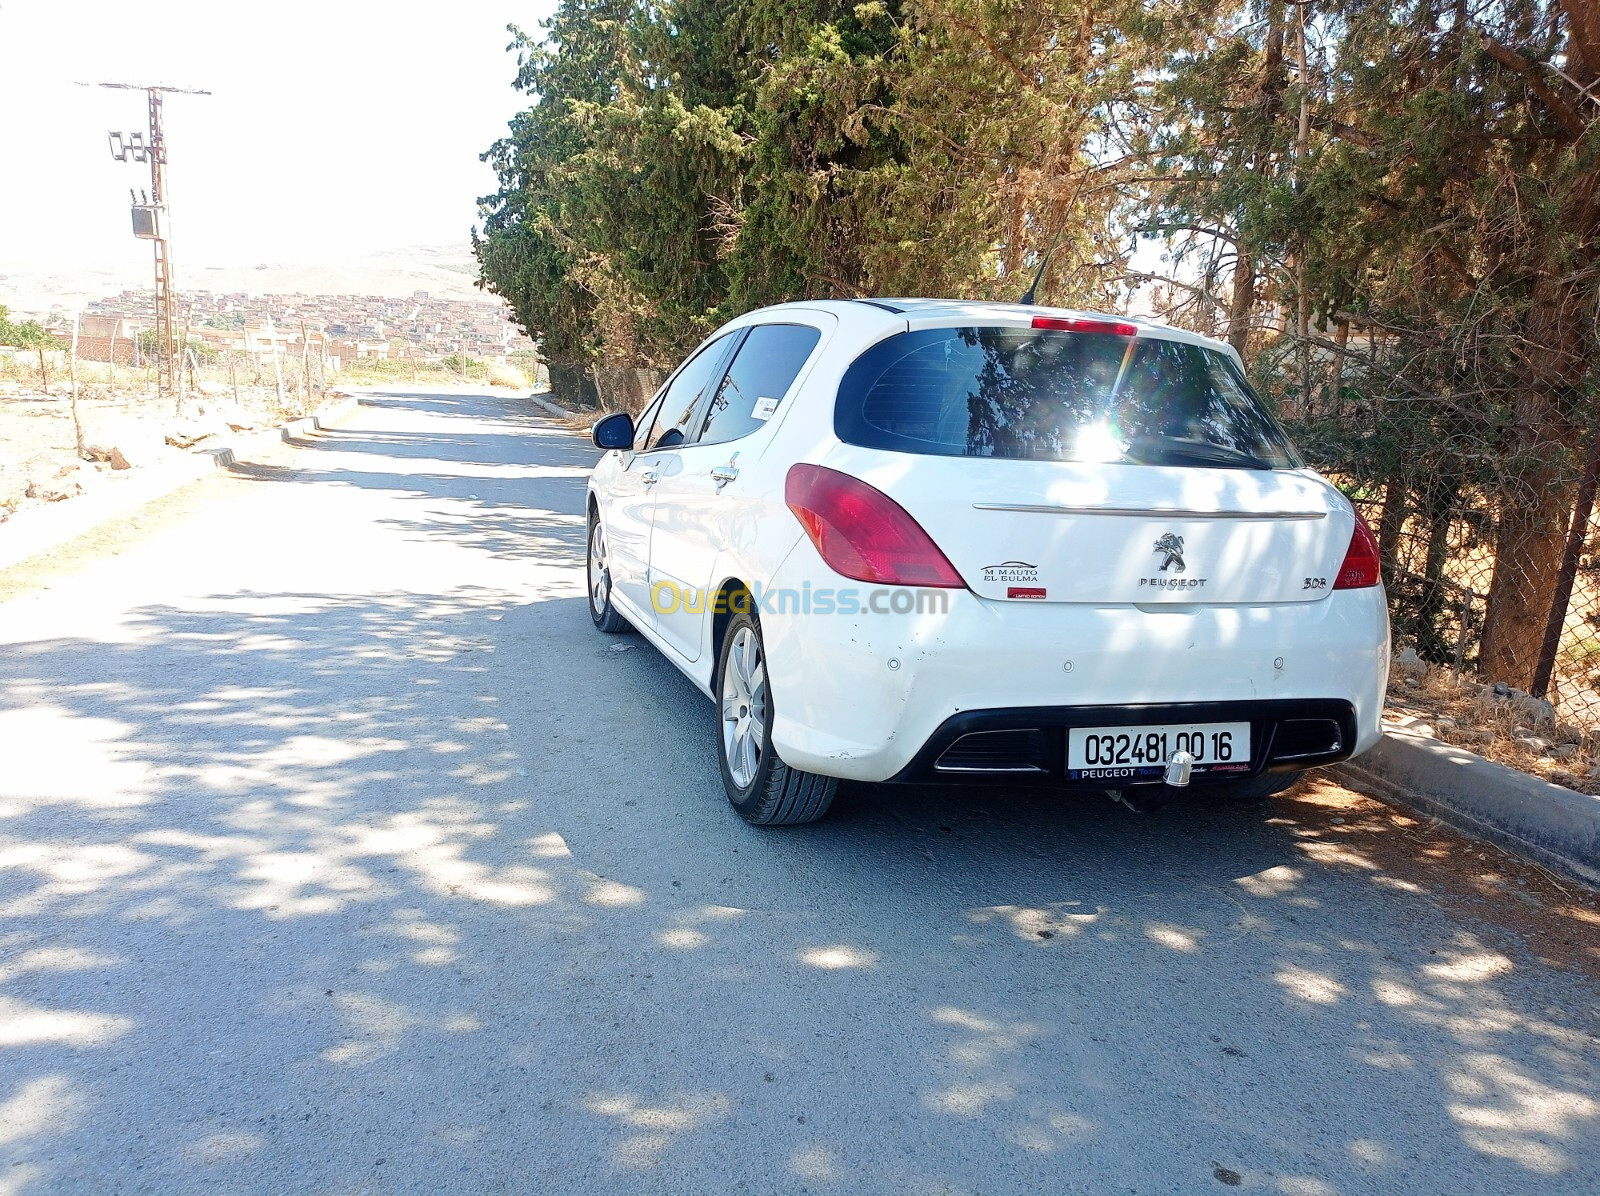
{"x":767,"y":364}
{"x":1057,"y":396}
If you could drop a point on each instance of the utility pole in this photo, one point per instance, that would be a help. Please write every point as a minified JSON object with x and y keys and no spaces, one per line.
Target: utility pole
{"x":150,"y":221}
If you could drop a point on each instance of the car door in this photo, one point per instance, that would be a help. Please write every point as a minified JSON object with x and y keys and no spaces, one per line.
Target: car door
{"x":697,"y":496}
{"x":624,"y":506}
{"x":627,"y":509}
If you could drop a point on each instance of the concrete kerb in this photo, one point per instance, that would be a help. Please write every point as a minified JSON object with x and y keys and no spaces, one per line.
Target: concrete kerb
{"x":43,"y":529}
{"x":1550,"y":824}
{"x":550,"y":408}
{"x":238,"y":449}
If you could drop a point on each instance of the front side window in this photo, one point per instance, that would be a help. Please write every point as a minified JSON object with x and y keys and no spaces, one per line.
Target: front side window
{"x":682,"y":396}
{"x":1057,"y":396}
{"x":766,"y":365}
{"x":646,"y":425}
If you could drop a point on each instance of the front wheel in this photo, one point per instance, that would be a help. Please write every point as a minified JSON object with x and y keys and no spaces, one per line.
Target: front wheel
{"x":605,"y":615}
{"x":762,"y":788}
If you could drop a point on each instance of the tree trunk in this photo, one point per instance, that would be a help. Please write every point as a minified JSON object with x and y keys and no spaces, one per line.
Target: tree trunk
{"x":1527,"y":558}
{"x":1439,"y":496}
{"x":1536,"y":500}
{"x":1244,"y":298}
{"x":1393,"y":522}
{"x":1341,"y":338}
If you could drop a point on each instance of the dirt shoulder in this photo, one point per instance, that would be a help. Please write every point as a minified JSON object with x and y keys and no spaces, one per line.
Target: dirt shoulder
{"x":127,"y":429}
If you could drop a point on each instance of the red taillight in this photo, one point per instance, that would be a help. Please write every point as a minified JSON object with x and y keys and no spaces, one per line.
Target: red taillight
{"x":1072,"y":324}
{"x":864,"y":534}
{"x":1360,"y":568}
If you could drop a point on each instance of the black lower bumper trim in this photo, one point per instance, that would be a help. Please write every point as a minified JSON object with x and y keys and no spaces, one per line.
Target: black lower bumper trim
{"x":1314,"y":731}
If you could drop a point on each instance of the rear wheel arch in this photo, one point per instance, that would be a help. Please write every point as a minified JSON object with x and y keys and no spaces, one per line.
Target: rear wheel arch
{"x":722,"y":613}
{"x":760,"y":786}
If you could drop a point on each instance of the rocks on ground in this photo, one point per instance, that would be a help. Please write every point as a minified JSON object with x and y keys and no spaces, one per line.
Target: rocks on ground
{"x":1498,"y":721}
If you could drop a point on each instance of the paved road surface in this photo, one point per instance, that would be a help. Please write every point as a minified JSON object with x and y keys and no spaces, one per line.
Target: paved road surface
{"x":338,"y":853}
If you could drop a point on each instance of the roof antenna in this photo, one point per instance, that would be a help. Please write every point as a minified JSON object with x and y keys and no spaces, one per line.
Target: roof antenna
{"x":1027,"y":295}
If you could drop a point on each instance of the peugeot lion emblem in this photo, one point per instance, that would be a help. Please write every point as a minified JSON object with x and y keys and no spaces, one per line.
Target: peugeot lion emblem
{"x":1172,"y":546}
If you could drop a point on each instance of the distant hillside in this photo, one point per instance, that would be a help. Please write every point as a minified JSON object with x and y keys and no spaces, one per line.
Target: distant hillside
{"x":445,"y":272}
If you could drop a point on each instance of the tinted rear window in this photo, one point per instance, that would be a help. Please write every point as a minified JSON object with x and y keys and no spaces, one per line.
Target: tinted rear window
{"x":1057,"y":396}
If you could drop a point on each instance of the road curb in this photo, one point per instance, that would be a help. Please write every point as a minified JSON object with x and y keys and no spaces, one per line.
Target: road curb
{"x":39,"y":530}
{"x":235,"y":450}
{"x":550,"y":408}
{"x":1556,"y":826}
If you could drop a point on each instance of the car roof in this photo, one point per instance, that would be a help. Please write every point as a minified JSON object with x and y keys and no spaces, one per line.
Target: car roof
{"x":933,"y":313}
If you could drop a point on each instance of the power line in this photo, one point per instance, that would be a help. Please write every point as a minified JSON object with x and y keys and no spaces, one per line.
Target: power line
{"x":150,"y":220}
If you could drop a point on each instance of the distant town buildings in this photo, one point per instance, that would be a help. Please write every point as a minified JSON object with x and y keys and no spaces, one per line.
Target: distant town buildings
{"x":341,"y":328}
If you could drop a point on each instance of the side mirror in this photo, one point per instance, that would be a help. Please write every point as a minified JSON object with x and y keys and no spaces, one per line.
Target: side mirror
{"x":613,"y":432}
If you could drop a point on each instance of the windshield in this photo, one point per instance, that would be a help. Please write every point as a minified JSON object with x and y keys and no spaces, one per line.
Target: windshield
{"x":1057,"y":396}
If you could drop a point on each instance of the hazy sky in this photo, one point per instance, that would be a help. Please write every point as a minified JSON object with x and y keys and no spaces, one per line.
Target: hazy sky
{"x":334,"y":128}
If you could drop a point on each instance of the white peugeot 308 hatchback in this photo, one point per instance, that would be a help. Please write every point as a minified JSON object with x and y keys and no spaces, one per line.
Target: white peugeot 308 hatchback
{"x":924,"y":540}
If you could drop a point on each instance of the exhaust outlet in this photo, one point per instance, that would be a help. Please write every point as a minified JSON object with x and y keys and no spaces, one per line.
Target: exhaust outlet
{"x":1141,"y":799}
{"x":1178,"y":769}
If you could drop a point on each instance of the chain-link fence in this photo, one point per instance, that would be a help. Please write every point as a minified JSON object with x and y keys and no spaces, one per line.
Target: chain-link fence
{"x":1472,"y":493}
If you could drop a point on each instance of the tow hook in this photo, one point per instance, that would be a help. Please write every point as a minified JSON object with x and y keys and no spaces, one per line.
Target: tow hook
{"x":1178,"y":769}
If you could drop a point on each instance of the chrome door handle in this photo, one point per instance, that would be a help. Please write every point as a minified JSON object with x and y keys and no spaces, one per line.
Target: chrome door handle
{"x":650,"y":477}
{"x":724,"y":473}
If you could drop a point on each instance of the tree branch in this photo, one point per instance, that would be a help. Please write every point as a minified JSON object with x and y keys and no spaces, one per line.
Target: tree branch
{"x":1568,"y":117}
{"x":1220,"y":234}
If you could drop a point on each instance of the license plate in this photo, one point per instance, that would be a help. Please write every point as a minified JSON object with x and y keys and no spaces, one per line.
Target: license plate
{"x":1140,"y":753}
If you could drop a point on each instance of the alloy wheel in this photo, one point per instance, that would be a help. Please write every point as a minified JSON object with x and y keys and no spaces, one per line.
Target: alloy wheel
{"x":599,"y":574}
{"x":744,"y":707}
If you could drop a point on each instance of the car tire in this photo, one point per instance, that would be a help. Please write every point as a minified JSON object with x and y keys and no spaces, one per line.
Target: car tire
{"x":762,"y":788}
{"x":598,"y":572}
{"x":1255,"y":789}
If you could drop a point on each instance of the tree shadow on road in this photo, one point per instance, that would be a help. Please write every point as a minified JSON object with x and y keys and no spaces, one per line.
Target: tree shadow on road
{"x":422,"y":891}
{"x":299,"y":835}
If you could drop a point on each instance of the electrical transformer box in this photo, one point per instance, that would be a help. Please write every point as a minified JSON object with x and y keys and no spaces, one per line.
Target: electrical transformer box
{"x":147,"y":222}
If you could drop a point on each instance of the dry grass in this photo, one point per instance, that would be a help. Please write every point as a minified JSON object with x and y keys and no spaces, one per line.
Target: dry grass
{"x":1467,"y":713}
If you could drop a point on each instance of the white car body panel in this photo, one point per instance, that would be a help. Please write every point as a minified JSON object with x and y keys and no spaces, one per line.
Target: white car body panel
{"x":1089,"y":531}
{"x":870,"y":719}
{"x":858,"y":696}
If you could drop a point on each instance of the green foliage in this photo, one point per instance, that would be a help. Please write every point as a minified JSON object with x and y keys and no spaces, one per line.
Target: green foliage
{"x":684,"y":162}
{"x":1391,"y":210}
{"x":28,"y":334}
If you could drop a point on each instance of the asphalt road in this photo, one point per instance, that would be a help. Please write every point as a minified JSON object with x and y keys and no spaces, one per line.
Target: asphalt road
{"x":339,"y":853}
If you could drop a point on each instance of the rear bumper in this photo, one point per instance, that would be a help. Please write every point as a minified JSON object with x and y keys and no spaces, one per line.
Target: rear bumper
{"x":1029,"y":745}
{"x":872,"y":697}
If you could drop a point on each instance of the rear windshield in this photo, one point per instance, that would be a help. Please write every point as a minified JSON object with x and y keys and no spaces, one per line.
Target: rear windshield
{"x":1057,"y":396}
